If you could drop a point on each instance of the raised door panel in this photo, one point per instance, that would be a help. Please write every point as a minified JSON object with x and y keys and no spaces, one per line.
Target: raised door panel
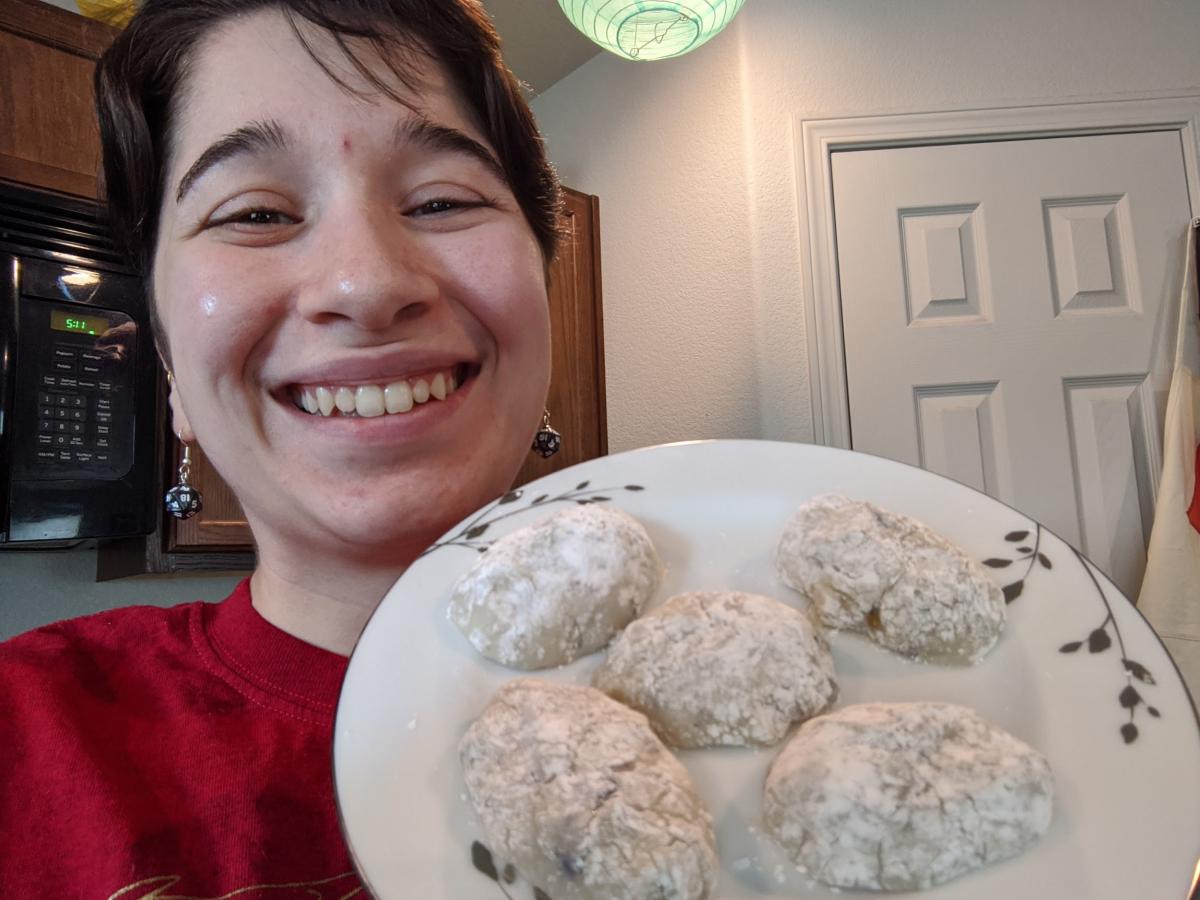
{"x":48,"y":132}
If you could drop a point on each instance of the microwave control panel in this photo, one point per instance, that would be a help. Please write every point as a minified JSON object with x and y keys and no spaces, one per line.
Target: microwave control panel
{"x":77,"y":364}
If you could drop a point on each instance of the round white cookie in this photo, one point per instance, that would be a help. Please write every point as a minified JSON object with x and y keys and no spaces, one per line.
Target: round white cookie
{"x":904,"y":796}
{"x":579,"y":795}
{"x":891,"y":578}
{"x":721,"y":669}
{"x":557,"y":590}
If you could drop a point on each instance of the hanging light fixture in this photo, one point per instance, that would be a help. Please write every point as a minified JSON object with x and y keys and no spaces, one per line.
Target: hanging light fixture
{"x":650,"y":29}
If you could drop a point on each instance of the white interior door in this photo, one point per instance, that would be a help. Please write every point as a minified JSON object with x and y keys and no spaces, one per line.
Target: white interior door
{"x":1007,"y":310}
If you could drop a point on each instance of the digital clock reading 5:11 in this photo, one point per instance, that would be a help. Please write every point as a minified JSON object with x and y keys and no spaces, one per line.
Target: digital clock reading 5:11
{"x":64,"y":321}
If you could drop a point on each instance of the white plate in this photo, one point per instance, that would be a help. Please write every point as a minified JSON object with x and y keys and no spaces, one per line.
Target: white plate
{"x":1127,"y":812}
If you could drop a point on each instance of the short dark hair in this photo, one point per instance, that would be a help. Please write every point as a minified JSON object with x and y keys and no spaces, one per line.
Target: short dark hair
{"x":140,"y":78}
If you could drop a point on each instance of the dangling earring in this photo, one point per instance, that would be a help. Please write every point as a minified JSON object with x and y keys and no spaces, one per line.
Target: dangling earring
{"x":183,"y":501}
{"x":547,"y":441}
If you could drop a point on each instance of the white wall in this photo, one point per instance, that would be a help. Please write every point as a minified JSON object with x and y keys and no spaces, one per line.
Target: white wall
{"x":694,"y":163}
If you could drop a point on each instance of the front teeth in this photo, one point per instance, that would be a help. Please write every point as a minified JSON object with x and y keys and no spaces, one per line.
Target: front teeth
{"x":368,"y":401}
{"x":397,"y":397}
{"x":372,"y":400}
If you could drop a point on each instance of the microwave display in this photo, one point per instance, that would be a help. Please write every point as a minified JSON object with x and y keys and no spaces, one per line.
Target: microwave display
{"x":61,"y":320}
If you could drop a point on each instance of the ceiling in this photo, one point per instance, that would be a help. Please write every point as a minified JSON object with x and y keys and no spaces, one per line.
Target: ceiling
{"x":540,"y":45}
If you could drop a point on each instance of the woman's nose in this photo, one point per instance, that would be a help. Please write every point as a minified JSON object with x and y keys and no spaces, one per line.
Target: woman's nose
{"x":370,"y":270}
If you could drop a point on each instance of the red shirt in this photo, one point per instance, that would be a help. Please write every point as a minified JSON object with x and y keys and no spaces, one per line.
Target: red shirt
{"x":169,"y":753}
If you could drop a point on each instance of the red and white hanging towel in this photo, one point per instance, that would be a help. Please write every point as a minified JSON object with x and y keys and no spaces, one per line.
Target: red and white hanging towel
{"x":1170,"y":596}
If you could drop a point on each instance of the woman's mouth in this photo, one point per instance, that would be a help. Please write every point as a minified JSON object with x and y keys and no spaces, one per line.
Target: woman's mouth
{"x":390,"y":398}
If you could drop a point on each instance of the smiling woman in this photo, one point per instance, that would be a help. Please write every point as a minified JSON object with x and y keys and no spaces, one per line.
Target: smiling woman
{"x":344,"y":217}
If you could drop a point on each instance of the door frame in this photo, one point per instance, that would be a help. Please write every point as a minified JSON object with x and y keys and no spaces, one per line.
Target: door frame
{"x":819,"y":138}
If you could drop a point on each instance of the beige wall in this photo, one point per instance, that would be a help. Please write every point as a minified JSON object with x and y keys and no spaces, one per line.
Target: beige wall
{"x":693,"y":160}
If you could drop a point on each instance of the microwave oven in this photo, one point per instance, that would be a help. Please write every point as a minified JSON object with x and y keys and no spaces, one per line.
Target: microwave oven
{"x":78,"y":377}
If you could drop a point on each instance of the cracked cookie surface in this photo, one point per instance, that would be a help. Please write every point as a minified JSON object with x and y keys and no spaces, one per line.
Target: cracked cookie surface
{"x":904,"y":796}
{"x":892,"y":578}
{"x":715,"y":669}
{"x":580,"y":795}
{"x":559,"y":589}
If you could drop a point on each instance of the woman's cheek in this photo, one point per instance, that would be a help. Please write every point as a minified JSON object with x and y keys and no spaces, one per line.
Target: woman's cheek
{"x":499,"y":269}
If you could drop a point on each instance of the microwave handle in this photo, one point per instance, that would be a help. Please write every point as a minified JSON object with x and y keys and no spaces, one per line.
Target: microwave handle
{"x":10,"y":279}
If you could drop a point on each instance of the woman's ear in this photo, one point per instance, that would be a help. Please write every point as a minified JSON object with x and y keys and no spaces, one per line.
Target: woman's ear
{"x":179,"y":420}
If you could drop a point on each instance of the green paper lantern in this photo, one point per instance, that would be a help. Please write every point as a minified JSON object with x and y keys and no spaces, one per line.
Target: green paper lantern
{"x":650,"y":29}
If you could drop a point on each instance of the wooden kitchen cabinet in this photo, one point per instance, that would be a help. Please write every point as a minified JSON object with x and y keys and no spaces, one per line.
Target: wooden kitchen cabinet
{"x":48,"y":132}
{"x":219,"y":538}
{"x":576,"y":402}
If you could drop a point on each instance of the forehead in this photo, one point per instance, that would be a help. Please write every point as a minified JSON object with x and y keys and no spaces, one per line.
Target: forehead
{"x":255,"y":67}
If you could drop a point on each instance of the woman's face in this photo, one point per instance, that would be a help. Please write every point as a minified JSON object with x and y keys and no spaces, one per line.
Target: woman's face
{"x":322,"y":249}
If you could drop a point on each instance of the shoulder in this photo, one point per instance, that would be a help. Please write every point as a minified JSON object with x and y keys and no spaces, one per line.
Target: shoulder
{"x":110,"y":628}
{"x":76,"y":650}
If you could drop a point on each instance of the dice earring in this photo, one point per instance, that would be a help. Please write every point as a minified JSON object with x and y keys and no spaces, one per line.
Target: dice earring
{"x":547,"y":441}
{"x":183,"y":501}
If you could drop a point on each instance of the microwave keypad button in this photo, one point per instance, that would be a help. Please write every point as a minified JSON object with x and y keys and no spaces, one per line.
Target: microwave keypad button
{"x":103,"y":418}
{"x":89,"y":369}
{"x":61,"y":440}
{"x":76,"y":401}
{"x":78,"y":441}
{"x":102,"y":429}
{"x":45,"y":398}
{"x":78,"y":415}
{"x":49,"y":381}
{"x":62,"y":365}
{"x":65,"y":382}
{"x":84,"y":456}
{"x":47,"y":412}
{"x":105,"y":386}
{"x":47,"y":455}
{"x":91,"y":356}
{"x":103,"y":405}
{"x":61,"y":412}
{"x":64,"y":455}
{"x":61,"y":399}
{"x":45,"y":440}
{"x":62,"y":427}
{"x":65,"y":353}
{"x":46,"y":425}
{"x":75,"y":428}
{"x":87,"y":384}
{"x":103,"y":444}
{"x":102,"y":457}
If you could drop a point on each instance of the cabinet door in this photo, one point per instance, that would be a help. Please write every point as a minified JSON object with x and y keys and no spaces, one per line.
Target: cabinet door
{"x":221,"y":524}
{"x":48,"y":132}
{"x":576,"y":401}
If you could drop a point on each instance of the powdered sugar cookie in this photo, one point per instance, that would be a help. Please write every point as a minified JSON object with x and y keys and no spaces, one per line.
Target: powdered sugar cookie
{"x":721,"y":669}
{"x":577,"y":792}
{"x":891,"y":578}
{"x":903,"y":796}
{"x":557,"y":590}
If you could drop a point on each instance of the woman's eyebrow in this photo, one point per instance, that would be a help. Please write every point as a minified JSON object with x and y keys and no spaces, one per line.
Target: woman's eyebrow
{"x":424,"y":132}
{"x":253,"y":138}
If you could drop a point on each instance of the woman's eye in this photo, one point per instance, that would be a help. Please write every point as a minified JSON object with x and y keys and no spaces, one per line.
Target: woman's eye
{"x":444,"y":205}
{"x":258,"y":217}
{"x":263,"y":217}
